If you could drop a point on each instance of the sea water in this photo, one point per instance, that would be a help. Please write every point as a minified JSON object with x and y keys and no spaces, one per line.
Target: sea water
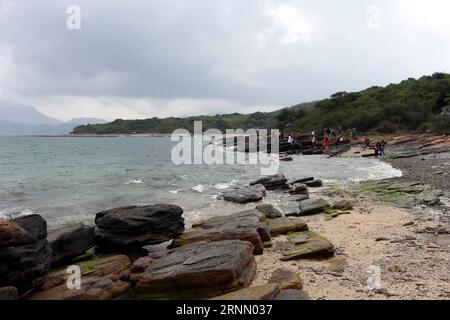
{"x":69,"y":179}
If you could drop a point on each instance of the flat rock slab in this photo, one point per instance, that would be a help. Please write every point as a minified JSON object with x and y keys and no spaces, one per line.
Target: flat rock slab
{"x":302,"y":180}
{"x":244,"y":195}
{"x":298,"y":188}
{"x":70,"y":241}
{"x":198,"y":271}
{"x":269,"y":211}
{"x":245,"y":226}
{"x":286,"y":279}
{"x":133,"y":227}
{"x":286,"y":225}
{"x":343,"y":205}
{"x":260,"y":293}
{"x":312,"y":206}
{"x":273,"y":182}
{"x":292,"y":295}
{"x":307,"y":245}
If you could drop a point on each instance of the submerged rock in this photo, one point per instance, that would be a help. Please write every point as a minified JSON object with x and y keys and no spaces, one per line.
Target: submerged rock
{"x":259,"y":293}
{"x":273,"y":182}
{"x":286,"y":225}
{"x":313,"y":206}
{"x":133,"y":227}
{"x":245,"y":226}
{"x":70,"y":241}
{"x":244,"y":195}
{"x":25,"y":254}
{"x":307,"y":245}
{"x":198,"y":271}
{"x":269,"y":211}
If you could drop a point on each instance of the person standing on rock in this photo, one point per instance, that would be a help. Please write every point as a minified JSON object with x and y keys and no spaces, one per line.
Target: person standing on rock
{"x":326,"y":143}
{"x":382,"y":146}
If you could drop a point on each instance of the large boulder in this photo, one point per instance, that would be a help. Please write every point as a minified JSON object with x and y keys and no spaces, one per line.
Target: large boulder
{"x":259,"y":293}
{"x":343,"y":205}
{"x":273,"y":182}
{"x":25,"y":254}
{"x":286,"y":225}
{"x":245,"y":226}
{"x":312,"y":206}
{"x":269,"y":211}
{"x":244,"y":195}
{"x":307,"y":245}
{"x":106,"y":278}
{"x":70,"y":241}
{"x":133,"y":227}
{"x":198,"y":271}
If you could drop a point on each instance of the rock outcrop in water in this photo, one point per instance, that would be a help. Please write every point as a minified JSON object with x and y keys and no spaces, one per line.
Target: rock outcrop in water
{"x":198,"y":271}
{"x":133,"y":227}
{"x":274,"y":182}
{"x":24,"y":253}
{"x":70,"y":241}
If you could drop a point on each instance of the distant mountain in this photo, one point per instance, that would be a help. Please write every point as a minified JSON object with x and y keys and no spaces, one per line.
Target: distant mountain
{"x":86,"y":121}
{"x":17,"y":113}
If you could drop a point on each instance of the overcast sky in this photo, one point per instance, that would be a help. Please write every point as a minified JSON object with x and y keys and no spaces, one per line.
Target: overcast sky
{"x":139,"y":59}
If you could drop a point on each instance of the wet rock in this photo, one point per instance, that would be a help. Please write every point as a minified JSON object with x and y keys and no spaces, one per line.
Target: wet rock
{"x":314,"y":183}
{"x":286,"y":279}
{"x":307,"y":245}
{"x":269,"y":211}
{"x":286,"y":159}
{"x":70,"y":241}
{"x":299,"y":188}
{"x":244,"y":195}
{"x":133,"y":227}
{"x":198,"y":271}
{"x":273,"y":182}
{"x":259,"y":293}
{"x":343,"y":205}
{"x":286,"y":225}
{"x":25,"y":264}
{"x":302,"y":180}
{"x":313,"y":206}
{"x":9,"y":293}
{"x":292,"y":295}
{"x":245,"y":226}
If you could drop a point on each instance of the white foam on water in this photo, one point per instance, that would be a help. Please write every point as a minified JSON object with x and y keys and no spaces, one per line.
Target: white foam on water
{"x":8,"y":216}
{"x":199,"y":188}
{"x":174,"y":191}
{"x":137,"y":181}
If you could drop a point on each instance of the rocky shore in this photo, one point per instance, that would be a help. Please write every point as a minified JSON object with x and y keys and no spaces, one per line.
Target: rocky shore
{"x":325,"y":249}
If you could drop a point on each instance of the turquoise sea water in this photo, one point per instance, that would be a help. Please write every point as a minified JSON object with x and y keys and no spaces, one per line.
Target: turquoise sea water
{"x":70,"y":179}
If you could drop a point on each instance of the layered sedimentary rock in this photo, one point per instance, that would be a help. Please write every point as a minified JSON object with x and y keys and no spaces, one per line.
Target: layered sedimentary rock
{"x":133,"y":227}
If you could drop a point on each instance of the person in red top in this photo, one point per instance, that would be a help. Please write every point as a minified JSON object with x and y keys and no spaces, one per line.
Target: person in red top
{"x":326,"y":143}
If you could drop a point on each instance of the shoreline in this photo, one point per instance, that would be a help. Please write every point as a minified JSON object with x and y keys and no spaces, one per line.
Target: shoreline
{"x":410,"y":246}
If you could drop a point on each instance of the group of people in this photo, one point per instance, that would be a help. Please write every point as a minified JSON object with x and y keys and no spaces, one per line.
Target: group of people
{"x":378,"y":147}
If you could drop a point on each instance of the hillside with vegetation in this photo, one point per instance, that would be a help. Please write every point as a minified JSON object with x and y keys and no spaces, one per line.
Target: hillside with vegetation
{"x":411,"y":105}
